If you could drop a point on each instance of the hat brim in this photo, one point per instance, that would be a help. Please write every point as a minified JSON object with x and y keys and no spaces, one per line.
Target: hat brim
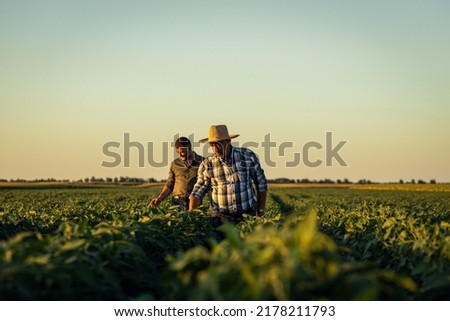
{"x":206,"y":140}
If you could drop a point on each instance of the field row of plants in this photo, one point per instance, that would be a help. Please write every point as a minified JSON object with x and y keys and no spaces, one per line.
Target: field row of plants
{"x":406,"y":232}
{"x":313,"y":244}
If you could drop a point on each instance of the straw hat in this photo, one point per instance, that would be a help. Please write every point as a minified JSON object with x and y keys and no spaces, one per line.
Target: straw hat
{"x":217,"y":133}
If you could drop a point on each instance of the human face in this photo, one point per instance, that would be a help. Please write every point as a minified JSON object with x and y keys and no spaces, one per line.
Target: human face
{"x":220,"y":148}
{"x":183,"y":152}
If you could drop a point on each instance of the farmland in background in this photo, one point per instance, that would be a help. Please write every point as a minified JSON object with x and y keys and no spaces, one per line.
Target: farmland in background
{"x":378,"y":242}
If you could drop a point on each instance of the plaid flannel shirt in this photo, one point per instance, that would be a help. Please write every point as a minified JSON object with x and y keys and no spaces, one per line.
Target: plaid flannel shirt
{"x":231,"y":184}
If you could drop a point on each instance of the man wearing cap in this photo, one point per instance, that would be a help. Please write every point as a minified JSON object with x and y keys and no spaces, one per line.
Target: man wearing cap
{"x":182,"y":175}
{"x":230,"y":174}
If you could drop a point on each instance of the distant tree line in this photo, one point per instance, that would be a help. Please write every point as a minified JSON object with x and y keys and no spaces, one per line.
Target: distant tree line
{"x":284,"y":180}
{"x":137,"y":180}
{"x":93,"y":179}
{"x":118,"y":180}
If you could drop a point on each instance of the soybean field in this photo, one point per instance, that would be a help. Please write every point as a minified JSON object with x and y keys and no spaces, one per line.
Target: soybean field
{"x":106,"y":243}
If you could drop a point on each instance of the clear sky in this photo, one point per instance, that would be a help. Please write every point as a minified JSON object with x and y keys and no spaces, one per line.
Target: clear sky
{"x":75,"y":75}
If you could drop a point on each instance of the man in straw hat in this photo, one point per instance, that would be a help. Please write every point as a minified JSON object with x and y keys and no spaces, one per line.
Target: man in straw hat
{"x":230,"y":174}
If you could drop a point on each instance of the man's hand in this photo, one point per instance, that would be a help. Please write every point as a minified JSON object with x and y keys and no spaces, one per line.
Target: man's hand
{"x":155,"y":202}
{"x":194,"y":202}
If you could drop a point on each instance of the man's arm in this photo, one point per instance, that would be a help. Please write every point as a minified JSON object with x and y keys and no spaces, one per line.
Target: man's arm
{"x":167,"y":189}
{"x":260,"y":181}
{"x":261,"y":202}
{"x":161,"y":197}
{"x":200,"y":187}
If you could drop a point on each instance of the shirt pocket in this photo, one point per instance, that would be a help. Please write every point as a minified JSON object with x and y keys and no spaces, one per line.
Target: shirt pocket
{"x":243,"y":171}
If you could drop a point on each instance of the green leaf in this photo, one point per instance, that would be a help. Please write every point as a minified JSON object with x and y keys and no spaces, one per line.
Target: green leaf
{"x":231,"y":235}
{"x":72,"y":245}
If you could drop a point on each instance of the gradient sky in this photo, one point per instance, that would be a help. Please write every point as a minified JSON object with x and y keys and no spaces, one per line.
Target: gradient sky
{"x":75,"y":75}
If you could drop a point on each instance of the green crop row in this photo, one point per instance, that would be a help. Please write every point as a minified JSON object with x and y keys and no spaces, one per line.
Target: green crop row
{"x":405,"y":231}
{"x":313,"y":244}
